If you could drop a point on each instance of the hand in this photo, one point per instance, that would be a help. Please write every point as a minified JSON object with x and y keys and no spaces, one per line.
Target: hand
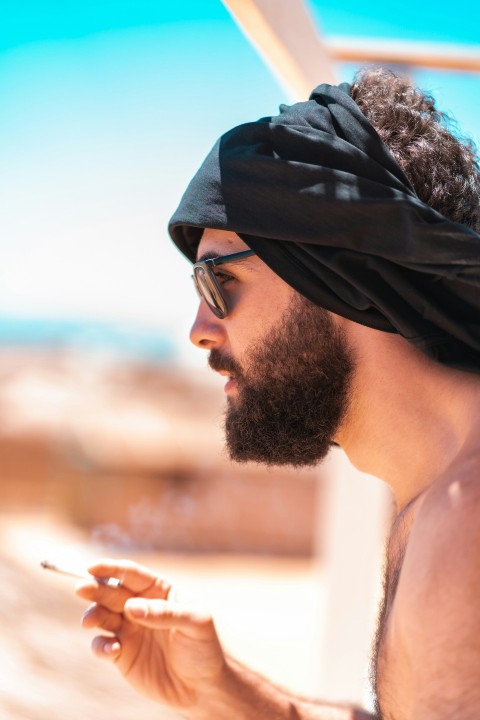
{"x":167,"y":650}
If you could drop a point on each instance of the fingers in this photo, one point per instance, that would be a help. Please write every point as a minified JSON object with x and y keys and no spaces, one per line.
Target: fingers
{"x":154,"y":614}
{"x":135,"y":578}
{"x":98,"y":616}
{"x":112,"y":598}
{"x":106,"y":647}
{"x":163,"y":615}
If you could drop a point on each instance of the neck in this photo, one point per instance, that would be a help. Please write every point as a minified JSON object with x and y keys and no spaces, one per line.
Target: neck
{"x":410,"y":417}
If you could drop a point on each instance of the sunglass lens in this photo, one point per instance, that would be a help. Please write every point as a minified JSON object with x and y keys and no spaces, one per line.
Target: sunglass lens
{"x":209,"y":290}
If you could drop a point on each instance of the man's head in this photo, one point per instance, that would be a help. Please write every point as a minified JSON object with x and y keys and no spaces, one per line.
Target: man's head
{"x":288,"y":364}
{"x":359,"y":200}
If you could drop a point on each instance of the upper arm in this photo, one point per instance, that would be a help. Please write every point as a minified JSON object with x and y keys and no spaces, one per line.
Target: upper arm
{"x":437,"y":608}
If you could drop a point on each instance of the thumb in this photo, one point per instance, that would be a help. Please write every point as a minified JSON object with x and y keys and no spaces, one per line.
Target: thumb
{"x":165,"y":614}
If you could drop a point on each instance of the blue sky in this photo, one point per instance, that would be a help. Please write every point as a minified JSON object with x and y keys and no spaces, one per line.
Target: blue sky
{"x":107,"y":110}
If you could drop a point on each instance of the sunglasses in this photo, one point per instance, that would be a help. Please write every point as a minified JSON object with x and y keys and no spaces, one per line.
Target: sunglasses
{"x":207,"y":283}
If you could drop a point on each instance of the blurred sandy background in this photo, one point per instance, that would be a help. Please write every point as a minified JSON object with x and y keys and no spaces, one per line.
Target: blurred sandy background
{"x":107,"y":457}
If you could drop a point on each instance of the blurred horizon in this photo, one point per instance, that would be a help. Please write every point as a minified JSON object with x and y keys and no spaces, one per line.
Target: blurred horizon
{"x":108,"y":109}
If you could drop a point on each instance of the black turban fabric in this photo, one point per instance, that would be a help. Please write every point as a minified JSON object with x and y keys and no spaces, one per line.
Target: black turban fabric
{"x":318,"y":196}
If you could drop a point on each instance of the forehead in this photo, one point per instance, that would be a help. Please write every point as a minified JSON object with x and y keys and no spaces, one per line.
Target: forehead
{"x":220,"y":242}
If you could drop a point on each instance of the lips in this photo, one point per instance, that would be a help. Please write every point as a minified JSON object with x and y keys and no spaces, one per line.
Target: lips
{"x":227,"y":368}
{"x":231,"y":384}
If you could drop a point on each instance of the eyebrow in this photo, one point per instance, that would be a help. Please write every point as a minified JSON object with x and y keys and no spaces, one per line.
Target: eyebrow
{"x":243,"y":262}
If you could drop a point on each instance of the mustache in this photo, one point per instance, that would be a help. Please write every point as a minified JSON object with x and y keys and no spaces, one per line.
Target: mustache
{"x":218,"y":362}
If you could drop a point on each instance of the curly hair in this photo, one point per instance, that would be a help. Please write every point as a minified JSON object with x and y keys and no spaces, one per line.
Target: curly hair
{"x":442,"y":168}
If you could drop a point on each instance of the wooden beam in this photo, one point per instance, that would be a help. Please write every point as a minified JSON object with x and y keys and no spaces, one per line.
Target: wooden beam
{"x":286,"y":37}
{"x":440,"y":56}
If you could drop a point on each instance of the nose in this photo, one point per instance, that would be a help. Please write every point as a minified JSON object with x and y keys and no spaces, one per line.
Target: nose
{"x":207,"y":331}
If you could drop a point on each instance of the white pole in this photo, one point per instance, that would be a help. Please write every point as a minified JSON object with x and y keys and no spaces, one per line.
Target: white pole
{"x":353,"y":526}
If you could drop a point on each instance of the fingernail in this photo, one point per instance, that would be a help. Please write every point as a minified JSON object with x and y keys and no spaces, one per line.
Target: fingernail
{"x":111,"y":648}
{"x":136,"y":608}
{"x":88,"y":611}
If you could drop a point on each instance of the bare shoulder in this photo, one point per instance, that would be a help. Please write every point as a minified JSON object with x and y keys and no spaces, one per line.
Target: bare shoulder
{"x":437,"y":606}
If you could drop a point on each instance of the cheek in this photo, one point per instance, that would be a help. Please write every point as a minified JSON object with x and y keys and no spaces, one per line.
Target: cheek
{"x":243,"y":335}
{"x":260,"y":309}
{"x":254,"y":327}
{"x":270,"y":301}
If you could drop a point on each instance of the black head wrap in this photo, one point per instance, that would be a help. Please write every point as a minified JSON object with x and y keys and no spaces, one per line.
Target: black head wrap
{"x":318,"y":196}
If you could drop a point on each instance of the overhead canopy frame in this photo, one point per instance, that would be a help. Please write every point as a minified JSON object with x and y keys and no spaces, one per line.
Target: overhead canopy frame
{"x":292,"y":45}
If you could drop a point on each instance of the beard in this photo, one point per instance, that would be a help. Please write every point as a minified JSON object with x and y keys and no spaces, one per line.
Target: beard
{"x":294,"y":391}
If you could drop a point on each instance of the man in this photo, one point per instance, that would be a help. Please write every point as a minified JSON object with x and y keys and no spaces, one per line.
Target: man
{"x":339,"y":285}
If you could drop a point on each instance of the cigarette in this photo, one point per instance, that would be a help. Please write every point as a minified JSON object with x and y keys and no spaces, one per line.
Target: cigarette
{"x":47,"y":565}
